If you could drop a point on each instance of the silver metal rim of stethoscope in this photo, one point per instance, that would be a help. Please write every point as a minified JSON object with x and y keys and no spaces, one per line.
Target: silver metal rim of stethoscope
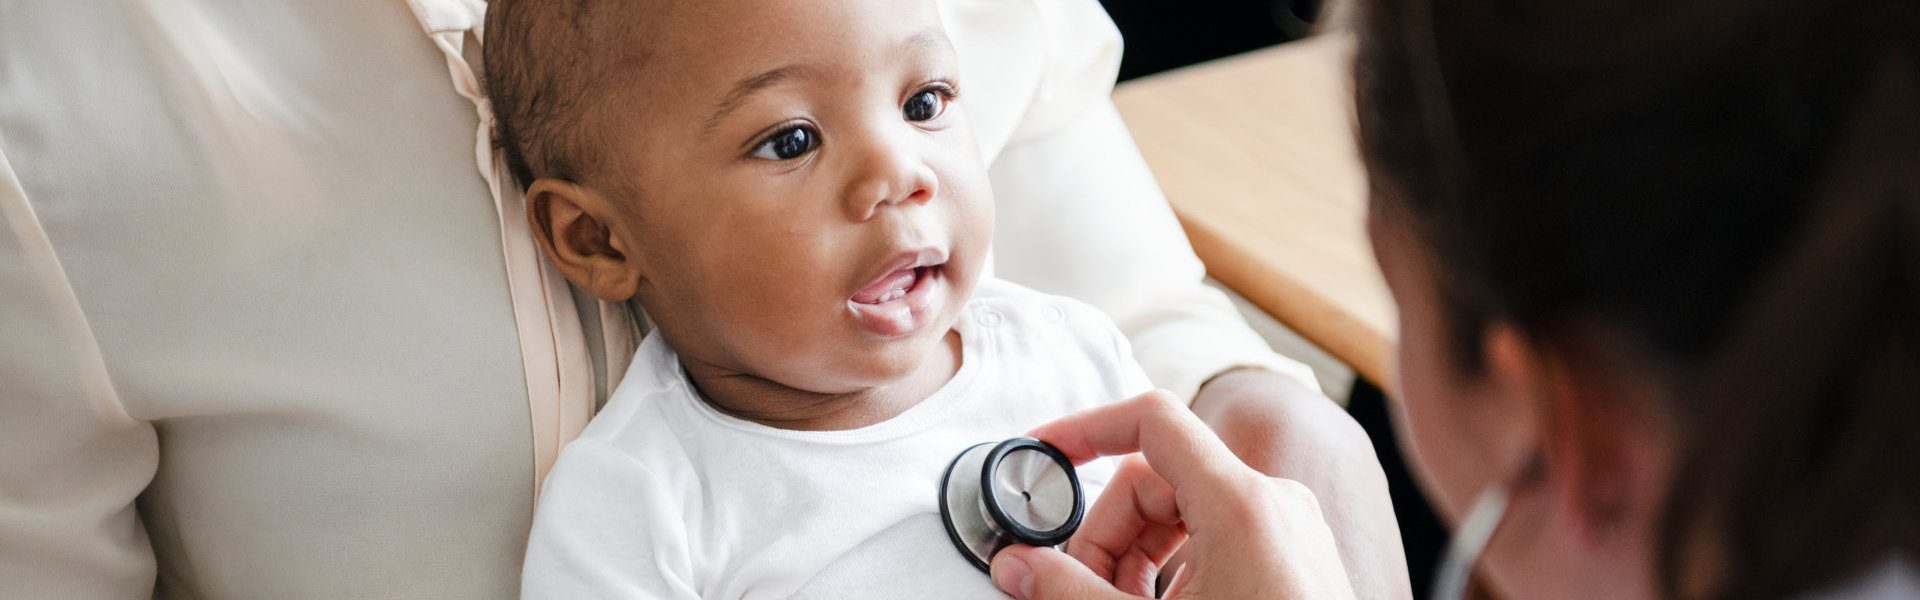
{"x":980,"y":525}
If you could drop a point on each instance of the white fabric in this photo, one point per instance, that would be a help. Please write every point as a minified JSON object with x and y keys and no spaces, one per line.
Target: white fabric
{"x":1893,"y":579}
{"x":1106,"y":236}
{"x":1077,"y":211}
{"x":261,"y":231}
{"x":666,"y":497}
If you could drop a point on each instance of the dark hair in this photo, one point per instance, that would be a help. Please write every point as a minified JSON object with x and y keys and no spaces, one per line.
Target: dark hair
{"x":542,"y":58}
{"x":1652,"y":166}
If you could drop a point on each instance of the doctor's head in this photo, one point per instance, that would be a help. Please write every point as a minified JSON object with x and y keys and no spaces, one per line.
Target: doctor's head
{"x":1655,"y":279}
{"x":790,"y":189}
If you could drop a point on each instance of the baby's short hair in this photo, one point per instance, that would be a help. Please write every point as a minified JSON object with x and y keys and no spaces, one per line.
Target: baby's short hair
{"x":542,"y":61}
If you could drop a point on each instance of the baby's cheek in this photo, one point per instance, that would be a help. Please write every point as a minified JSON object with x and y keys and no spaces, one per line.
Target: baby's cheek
{"x":973,"y":220}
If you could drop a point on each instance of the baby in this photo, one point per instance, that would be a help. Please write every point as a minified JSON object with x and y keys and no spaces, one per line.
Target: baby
{"x":792,"y":193}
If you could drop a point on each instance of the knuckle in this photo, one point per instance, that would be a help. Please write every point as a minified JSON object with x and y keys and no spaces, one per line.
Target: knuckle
{"x":1292,"y":496}
{"x":1159,"y":401}
{"x":1254,"y":432}
{"x":1254,"y":509}
{"x":1162,"y":408}
{"x":1288,"y":489}
{"x":1251,"y":499}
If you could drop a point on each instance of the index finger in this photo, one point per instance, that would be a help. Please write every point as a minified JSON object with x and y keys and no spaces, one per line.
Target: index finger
{"x":1182,"y":449}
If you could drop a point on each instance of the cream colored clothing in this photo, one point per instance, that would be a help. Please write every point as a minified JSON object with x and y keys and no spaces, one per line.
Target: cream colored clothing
{"x":264,"y":332}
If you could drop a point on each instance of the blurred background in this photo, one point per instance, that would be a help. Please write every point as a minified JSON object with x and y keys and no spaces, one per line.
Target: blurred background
{"x":1162,"y":35}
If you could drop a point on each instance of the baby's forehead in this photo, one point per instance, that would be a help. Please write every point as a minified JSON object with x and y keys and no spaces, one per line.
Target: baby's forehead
{"x":651,"y":76}
{"x":696,"y":52}
{"x":686,"y":38}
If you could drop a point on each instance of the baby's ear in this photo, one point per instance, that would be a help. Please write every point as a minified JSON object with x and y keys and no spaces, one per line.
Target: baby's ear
{"x":580,"y":231}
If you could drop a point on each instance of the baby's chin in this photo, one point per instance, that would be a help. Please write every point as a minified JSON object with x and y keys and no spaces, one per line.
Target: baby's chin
{"x":907,"y":357}
{"x":874,"y":365}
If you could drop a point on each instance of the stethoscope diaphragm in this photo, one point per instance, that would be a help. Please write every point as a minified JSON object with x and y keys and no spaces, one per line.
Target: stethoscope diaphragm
{"x":1020,"y":491}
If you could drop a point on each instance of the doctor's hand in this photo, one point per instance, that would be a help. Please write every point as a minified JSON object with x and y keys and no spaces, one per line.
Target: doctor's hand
{"x":1246,"y":535}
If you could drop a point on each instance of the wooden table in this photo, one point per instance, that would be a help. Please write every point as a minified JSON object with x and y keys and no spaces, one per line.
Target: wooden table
{"x":1256,"y":154}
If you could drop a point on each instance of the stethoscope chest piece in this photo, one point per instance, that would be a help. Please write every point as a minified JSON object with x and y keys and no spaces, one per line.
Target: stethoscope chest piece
{"x":1020,"y":491}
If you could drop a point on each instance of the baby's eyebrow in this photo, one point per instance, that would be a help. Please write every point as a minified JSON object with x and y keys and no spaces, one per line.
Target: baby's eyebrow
{"x":928,"y":39}
{"x":920,"y":42}
{"x":747,"y":87}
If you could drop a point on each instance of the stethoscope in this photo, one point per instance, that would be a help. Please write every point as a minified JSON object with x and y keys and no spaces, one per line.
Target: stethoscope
{"x":1020,"y":491}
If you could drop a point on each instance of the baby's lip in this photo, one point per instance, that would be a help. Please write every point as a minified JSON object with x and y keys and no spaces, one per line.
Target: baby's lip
{"x":904,"y":296}
{"x":897,"y":275}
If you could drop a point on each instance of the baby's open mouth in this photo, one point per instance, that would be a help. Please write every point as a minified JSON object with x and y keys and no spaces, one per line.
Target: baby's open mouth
{"x":906,"y":298}
{"x":895,"y":285}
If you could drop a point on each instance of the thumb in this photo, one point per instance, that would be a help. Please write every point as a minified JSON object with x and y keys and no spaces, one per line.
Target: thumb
{"x":1033,"y":573}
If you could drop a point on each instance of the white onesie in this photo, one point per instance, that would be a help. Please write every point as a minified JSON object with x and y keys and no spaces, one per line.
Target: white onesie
{"x":665,"y":497}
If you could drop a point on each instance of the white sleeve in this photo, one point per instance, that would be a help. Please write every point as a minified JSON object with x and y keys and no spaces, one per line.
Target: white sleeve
{"x":606,"y":527}
{"x":71,"y":459}
{"x":1133,"y":379}
{"x":1079,"y":214}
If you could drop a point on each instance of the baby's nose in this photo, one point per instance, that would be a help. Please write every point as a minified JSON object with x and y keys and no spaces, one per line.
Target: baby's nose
{"x":890,"y":174}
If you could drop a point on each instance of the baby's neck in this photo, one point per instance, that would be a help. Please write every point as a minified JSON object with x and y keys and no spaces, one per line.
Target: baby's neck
{"x":769,"y":403}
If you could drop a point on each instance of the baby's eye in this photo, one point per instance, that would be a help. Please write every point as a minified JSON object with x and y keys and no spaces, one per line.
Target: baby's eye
{"x":924,"y":106}
{"x":787,"y":144}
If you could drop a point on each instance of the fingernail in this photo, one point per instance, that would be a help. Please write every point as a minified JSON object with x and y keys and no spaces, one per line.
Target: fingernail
{"x":1014,"y":577}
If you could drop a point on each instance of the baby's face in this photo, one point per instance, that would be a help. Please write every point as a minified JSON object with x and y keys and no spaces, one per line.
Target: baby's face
{"x":804,"y":194}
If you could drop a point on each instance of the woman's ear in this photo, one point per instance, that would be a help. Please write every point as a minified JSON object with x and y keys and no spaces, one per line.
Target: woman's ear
{"x":1514,"y":371}
{"x":1604,"y":439}
{"x":582,"y":233}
